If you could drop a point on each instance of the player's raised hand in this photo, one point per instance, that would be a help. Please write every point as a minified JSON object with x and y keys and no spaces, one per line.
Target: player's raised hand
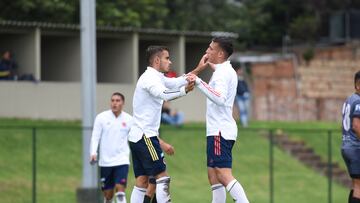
{"x":190,"y":77}
{"x":189,"y":87}
{"x":201,"y":65}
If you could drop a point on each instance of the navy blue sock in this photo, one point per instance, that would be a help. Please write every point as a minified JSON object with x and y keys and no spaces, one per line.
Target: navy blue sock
{"x":154,"y":199}
{"x":147,"y":199}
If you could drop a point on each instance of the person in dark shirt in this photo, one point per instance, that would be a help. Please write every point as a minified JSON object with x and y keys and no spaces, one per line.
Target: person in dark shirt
{"x":350,"y":149}
{"x":242,"y":98}
{"x":7,"y":67}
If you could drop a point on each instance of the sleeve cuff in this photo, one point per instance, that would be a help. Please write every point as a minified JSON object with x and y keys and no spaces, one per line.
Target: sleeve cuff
{"x":182,"y":91}
{"x":197,"y":81}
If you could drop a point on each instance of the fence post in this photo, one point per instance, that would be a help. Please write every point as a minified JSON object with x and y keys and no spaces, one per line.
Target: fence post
{"x":34,"y":165}
{"x":329,"y":166}
{"x":271,"y":166}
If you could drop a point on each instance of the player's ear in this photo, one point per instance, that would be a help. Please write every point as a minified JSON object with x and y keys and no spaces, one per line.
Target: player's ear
{"x":221,"y":54}
{"x":157,"y":59}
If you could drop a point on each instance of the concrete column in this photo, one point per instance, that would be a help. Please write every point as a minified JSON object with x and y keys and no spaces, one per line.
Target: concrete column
{"x":182,"y":66}
{"x":37,"y":53}
{"x":135,"y":56}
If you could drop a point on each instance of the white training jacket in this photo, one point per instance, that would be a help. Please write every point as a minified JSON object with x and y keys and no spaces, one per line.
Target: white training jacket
{"x":220,"y":93}
{"x":151,"y":90}
{"x":112,"y":134}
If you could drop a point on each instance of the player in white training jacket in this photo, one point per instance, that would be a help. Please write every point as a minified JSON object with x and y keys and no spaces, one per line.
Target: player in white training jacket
{"x":111,"y":130}
{"x":221,"y":129}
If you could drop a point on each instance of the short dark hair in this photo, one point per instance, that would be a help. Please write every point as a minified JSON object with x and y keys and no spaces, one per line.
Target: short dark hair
{"x":118,"y":94}
{"x":357,"y":77}
{"x":151,"y":51}
{"x":225,"y":44}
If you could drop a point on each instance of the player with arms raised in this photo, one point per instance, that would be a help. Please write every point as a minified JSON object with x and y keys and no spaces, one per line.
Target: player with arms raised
{"x":220,"y":125}
{"x":151,"y":90}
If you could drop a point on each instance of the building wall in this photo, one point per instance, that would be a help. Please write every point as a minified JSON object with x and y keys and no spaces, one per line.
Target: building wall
{"x":283,"y":90}
{"x":52,"y":100}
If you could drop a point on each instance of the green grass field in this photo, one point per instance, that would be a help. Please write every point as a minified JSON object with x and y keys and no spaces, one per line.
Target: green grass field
{"x":59,"y":164}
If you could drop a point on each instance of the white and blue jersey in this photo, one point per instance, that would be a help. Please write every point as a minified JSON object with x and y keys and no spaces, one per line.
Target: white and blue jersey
{"x":351,"y":143}
{"x":350,"y":110}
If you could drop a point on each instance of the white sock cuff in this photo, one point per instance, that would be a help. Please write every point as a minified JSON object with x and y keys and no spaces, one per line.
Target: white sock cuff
{"x":231,"y":185}
{"x":165,"y":179}
{"x":140,"y":189}
{"x":216,"y":186}
{"x":119,"y":193}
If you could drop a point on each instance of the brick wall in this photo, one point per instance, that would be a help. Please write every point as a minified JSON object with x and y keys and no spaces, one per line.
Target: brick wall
{"x":314,"y":91}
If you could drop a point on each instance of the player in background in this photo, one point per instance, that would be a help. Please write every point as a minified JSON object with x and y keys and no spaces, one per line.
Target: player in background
{"x":350,"y":149}
{"x":221,"y":127}
{"x":152,"y":89}
{"x":111,"y":129}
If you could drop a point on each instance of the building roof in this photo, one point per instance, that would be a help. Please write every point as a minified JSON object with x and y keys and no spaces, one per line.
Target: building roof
{"x":76,"y":27}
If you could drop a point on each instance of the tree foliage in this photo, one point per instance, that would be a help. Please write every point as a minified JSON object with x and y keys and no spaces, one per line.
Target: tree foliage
{"x":263,"y":22}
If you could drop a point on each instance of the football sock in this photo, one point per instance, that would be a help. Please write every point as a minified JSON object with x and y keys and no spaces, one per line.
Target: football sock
{"x":147,"y":199}
{"x":218,"y":193}
{"x":355,"y":200}
{"x":350,"y":196}
{"x":237,"y":192}
{"x":163,"y":190}
{"x":120,"y":197}
{"x":154,"y":199}
{"x":137,"y":195}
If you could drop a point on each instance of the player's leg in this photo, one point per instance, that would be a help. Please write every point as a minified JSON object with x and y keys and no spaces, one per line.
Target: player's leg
{"x":157,"y":168}
{"x":107,"y":183}
{"x":150,"y":196}
{"x":242,"y":110}
{"x":223,"y":169}
{"x":121,"y":174}
{"x":352,"y":161}
{"x":356,"y":190}
{"x":218,"y":190}
{"x":141,"y":179}
{"x":233,"y":186}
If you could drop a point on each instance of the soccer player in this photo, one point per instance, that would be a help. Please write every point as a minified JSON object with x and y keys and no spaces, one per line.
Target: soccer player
{"x":152,"y":89}
{"x":111,"y":129}
{"x":350,"y":149}
{"x":221,"y":127}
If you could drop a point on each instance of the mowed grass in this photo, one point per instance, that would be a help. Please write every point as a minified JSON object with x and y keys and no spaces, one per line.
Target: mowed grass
{"x":315,"y":134}
{"x":59,"y":166}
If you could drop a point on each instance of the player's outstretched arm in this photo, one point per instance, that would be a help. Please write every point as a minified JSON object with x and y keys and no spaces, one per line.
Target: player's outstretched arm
{"x":175,"y":83}
{"x":157,"y":89}
{"x":215,"y":95}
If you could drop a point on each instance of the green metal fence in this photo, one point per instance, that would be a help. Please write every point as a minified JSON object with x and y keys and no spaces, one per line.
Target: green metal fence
{"x":43,"y":164}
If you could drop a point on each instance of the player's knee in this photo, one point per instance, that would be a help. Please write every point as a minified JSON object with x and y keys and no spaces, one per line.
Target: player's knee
{"x":356,"y":183}
{"x":142,"y":182}
{"x":120,"y":187}
{"x":108,"y":195}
